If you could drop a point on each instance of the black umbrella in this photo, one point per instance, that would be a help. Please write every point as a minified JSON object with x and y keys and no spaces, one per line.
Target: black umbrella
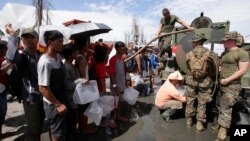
{"x":88,"y":29}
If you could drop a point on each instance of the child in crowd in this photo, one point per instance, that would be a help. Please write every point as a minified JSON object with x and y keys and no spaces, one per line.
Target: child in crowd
{"x":153,"y":64}
{"x":137,"y":82}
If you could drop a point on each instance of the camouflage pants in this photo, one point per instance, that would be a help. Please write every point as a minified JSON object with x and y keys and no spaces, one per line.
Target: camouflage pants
{"x":164,"y":44}
{"x":227,"y":100}
{"x":172,"y":104}
{"x":203,"y":95}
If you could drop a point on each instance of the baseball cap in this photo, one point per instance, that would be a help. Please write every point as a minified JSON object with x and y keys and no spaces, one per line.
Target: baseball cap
{"x":29,"y":31}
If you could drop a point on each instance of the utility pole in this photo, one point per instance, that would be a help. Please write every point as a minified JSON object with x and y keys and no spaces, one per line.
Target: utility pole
{"x":40,"y":6}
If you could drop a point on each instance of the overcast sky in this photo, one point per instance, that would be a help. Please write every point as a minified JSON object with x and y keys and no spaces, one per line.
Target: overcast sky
{"x":118,"y":14}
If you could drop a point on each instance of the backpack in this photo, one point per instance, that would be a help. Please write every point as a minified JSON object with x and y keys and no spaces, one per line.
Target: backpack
{"x":130,"y":64}
{"x":198,"y":64}
{"x":15,"y":83}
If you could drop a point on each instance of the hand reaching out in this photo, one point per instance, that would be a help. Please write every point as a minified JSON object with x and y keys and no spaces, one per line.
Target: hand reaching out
{"x":10,"y":30}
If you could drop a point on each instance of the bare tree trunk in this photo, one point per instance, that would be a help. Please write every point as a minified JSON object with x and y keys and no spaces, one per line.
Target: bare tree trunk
{"x":127,"y":37}
{"x":141,"y":36}
{"x":135,"y":30}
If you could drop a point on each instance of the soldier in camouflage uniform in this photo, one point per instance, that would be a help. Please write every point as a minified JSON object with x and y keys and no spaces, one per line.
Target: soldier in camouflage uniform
{"x":201,"y":64}
{"x":235,"y":62}
{"x":167,"y":23}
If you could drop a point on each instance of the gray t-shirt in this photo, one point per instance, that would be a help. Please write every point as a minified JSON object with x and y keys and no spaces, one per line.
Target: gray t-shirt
{"x":120,"y":75}
{"x":70,"y":75}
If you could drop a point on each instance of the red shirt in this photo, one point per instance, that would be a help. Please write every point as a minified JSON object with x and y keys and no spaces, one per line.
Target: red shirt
{"x":100,"y":70}
{"x":174,"y":48}
{"x":3,"y":78}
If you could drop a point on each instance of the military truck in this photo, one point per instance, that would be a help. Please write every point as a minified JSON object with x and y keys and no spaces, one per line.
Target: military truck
{"x":214,"y":32}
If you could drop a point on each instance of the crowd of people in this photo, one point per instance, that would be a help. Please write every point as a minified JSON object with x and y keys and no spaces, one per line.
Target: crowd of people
{"x":48,"y":80}
{"x":48,"y":83}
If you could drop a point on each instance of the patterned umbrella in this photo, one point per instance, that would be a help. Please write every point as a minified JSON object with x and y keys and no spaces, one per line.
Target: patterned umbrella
{"x":88,"y":29}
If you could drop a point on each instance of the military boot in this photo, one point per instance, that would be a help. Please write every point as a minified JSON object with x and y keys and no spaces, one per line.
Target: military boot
{"x":222,"y":134}
{"x":189,"y":122}
{"x":199,"y":126}
{"x":167,"y":114}
{"x":215,"y":127}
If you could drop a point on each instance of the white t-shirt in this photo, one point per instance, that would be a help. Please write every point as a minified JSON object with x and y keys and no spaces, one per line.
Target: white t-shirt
{"x":45,"y":65}
{"x":136,"y":78}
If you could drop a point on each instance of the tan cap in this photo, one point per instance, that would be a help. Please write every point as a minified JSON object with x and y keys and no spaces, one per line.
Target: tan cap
{"x":175,"y":76}
{"x":233,"y":35}
{"x":198,"y":37}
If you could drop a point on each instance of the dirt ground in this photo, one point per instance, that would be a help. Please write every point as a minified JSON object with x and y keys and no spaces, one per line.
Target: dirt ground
{"x":15,"y":122}
{"x":147,"y":125}
{"x":14,"y":127}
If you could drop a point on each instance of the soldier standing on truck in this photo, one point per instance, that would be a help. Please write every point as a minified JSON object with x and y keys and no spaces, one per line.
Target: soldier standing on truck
{"x":235,"y":62}
{"x":167,"y":25}
{"x":201,"y":64}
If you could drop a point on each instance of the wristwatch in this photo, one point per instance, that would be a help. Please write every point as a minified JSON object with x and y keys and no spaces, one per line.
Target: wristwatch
{"x":114,"y":85}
